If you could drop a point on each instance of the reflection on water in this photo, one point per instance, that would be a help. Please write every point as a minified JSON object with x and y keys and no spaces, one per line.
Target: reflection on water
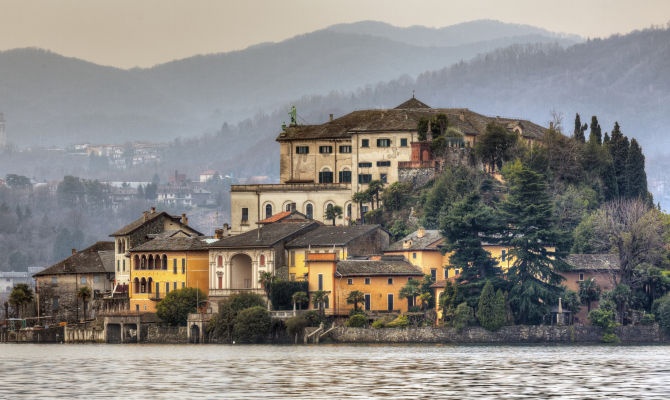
{"x":332,"y":371}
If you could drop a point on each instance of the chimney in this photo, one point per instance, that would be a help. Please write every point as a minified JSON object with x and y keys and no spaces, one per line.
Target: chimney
{"x":218,"y":233}
{"x":184,"y":219}
{"x":461,"y":116}
{"x":145,"y":214}
{"x":331,"y":117}
{"x":74,"y":251}
{"x":153,"y":210}
{"x":421,"y":232}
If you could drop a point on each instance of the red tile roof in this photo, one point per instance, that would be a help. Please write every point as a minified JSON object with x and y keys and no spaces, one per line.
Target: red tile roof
{"x":275,"y":217}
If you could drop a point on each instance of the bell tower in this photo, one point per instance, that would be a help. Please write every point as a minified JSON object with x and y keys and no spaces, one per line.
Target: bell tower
{"x":3,"y":134}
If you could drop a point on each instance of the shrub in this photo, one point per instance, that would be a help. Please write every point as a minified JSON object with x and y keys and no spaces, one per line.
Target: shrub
{"x":295,"y":326}
{"x":313,"y":318}
{"x":648,"y":319}
{"x":664,"y":314}
{"x":176,"y":305}
{"x":400,"y":322}
{"x":222,"y":324}
{"x":357,"y":321}
{"x":252,"y":325}
{"x":610,"y":338}
{"x":378,"y":324}
{"x":463,"y":316}
{"x":605,"y":318}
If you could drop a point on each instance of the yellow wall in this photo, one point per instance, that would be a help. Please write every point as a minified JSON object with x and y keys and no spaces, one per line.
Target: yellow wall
{"x":298,"y":268}
{"x":197,"y":275}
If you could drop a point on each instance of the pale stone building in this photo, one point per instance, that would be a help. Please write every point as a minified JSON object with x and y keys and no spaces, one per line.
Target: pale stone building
{"x":324,"y":165}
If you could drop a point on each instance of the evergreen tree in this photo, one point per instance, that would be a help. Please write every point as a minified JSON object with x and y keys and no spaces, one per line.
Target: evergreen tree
{"x":610,"y":188}
{"x":490,"y":314}
{"x":618,"y":148}
{"x":580,"y":129}
{"x":606,"y":139}
{"x":464,"y":227}
{"x":596,"y":133}
{"x":531,"y":234}
{"x":636,"y":178}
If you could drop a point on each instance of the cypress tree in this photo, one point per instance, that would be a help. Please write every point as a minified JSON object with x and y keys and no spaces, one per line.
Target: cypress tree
{"x":500,"y":308}
{"x":489,"y":312}
{"x":596,"y":133}
{"x":580,"y":129}
{"x":531,"y":233}
{"x":618,"y":148}
{"x":636,"y":178}
{"x":610,"y":190}
{"x":606,"y":139}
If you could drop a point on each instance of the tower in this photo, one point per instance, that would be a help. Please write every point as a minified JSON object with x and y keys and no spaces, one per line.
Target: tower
{"x":3,"y":134}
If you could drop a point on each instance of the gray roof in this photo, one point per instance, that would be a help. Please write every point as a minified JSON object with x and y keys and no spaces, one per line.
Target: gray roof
{"x":430,"y":241}
{"x":381,"y":267}
{"x":98,"y":258}
{"x":176,"y":243}
{"x":131,"y":227}
{"x":591,"y":262}
{"x":270,"y":235}
{"x":328,"y":235}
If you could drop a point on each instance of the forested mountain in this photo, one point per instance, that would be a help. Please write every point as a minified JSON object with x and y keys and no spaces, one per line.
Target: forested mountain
{"x":49,"y":99}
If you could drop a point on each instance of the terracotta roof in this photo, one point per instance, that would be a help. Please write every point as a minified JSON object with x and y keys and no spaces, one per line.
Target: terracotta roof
{"x":430,"y":241}
{"x":275,"y":217}
{"x":381,"y":267}
{"x":404,"y":119}
{"x":177,"y":243}
{"x":98,"y":258}
{"x":270,"y":235}
{"x":131,"y":227}
{"x":328,"y":235}
{"x":592,"y":262}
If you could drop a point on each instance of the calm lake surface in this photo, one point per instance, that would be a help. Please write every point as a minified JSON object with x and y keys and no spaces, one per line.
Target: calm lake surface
{"x":333,"y":371}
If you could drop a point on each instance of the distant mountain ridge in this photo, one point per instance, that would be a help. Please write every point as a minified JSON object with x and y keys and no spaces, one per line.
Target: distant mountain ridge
{"x":48,"y":99}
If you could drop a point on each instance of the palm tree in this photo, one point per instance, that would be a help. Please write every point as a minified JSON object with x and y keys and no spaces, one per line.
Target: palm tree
{"x":84,"y":293}
{"x":299,"y":298}
{"x":333,"y":212}
{"x":319,"y":297}
{"x":411,"y":290}
{"x":360,"y":198}
{"x":21,"y":295}
{"x":589,"y":291}
{"x":375,"y":188}
{"x":267,"y":279}
{"x":355,"y":297}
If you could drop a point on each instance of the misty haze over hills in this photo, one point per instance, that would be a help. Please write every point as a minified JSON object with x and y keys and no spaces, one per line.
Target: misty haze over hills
{"x":53,"y":100}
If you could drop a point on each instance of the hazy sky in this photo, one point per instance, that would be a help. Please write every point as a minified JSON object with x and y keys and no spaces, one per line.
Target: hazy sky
{"x":127,"y":33}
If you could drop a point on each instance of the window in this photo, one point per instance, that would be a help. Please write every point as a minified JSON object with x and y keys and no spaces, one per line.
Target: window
{"x":365,"y":143}
{"x":83,"y":280}
{"x":325,"y":149}
{"x":262,"y":259}
{"x":183,"y":265}
{"x":124,"y":265}
{"x":167,"y":287}
{"x":403,"y":142}
{"x":345,"y":149}
{"x":364,"y":209}
{"x":383,"y":142}
{"x":345,"y":176}
{"x":383,"y":163}
{"x":288,"y":207}
{"x":581,"y":276}
{"x":174,"y":266}
{"x":367,"y":281}
{"x":433,"y":274}
{"x":390,"y":302}
{"x":220,"y":282}
{"x":457,"y":271}
{"x":390,"y":281}
{"x":446,"y":273}
{"x":291,"y":258}
{"x":158,"y":290}
{"x":245,"y":214}
{"x":503,"y":255}
{"x":268,"y":210}
{"x":413,"y":255}
{"x":219,"y":261}
{"x":320,"y":281}
{"x":326,"y":177}
{"x":367,"y":302}
{"x":118,"y":266}
{"x":174,"y":285}
{"x":96,"y":279}
{"x":183,"y":285}
{"x":364,"y":178}
{"x":364,"y":164}
{"x":309,"y":211}
{"x":54,"y":280}
{"x":350,"y":281}
{"x":137,"y":307}
{"x":302,"y":149}
{"x":349,"y":210}
{"x":383,"y":178}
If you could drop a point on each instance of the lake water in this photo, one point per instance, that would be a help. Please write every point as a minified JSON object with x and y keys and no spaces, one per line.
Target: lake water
{"x":333,"y":371}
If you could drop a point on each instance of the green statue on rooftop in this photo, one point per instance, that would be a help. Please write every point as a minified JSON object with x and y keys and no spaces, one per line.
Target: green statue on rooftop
{"x":294,"y":116}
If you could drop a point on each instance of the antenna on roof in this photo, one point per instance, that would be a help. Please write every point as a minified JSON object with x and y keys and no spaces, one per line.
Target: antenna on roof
{"x":412,"y":93}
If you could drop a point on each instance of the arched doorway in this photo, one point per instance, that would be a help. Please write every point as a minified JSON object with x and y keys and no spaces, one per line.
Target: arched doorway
{"x":195,"y":334}
{"x":241,"y":274}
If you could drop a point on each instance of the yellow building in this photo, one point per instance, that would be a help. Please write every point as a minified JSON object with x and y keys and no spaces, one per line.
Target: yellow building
{"x":346,"y":241}
{"x":164,"y":264}
{"x":325,"y":164}
{"x":379,"y":279}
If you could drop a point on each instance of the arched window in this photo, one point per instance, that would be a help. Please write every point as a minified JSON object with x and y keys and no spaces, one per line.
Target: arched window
{"x":288,"y":206}
{"x":157,"y":261}
{"x":136,"y":285}
{"x":262,"y":259}
{"x":268,"y":210}
{"x":137,"y":262}
{"x":326,"y":175}
{"x":349,"y":210}
{"x":143,"y":286}
{"x":309,"y":211}
{"x":345,"y":176}
{"x":219,"y":261}
{"x":164,"y":263}
{"x":151,"y":262}
{"x":149,"y":284}
{"x":144,"y":262}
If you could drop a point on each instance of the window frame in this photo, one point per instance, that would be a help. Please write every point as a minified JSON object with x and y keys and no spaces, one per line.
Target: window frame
{"x":365,"y":143}
{"x":403,"y":142}
{"x":367,"y":281}
{"x":364,"y":179}
{"x":325,"y":149}
{"x":345,"y":149}
{"x":384,"y":163}
{"x":384,"y":142}
{"x":301,"y":149}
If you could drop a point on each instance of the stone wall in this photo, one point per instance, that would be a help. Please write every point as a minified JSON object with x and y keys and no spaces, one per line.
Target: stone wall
{"x":79,"y":334}
{"x":517,"y":334}
{"x":166,"y":334}
{"x":417,"y":177}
